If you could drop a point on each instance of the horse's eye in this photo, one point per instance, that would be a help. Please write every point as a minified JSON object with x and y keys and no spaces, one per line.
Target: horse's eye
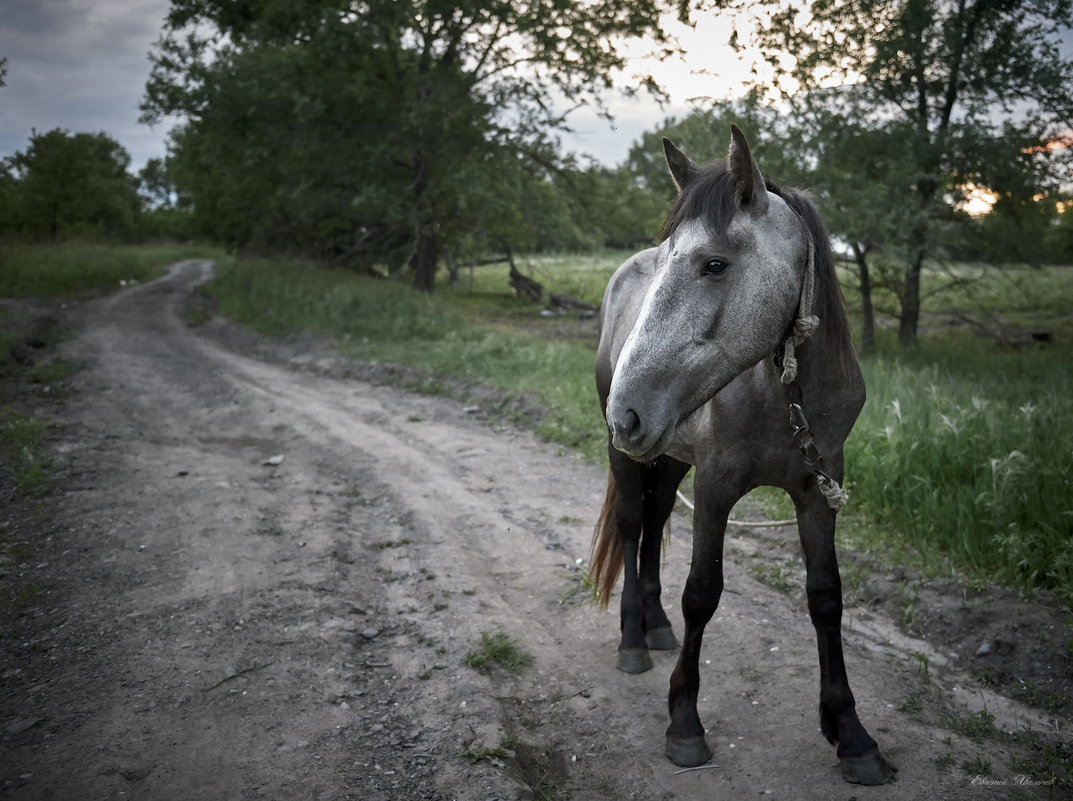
{"x":715,"y":267}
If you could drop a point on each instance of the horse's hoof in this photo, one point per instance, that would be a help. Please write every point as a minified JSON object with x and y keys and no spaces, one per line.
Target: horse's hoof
{"x":868,"y":768}
{"x":688,"y":752}
{"x":634,"y":660}
{"x":661,"y":639}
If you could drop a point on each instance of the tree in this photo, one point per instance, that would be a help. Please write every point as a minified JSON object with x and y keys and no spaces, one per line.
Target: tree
{"x":74,"y":183}
{"x":381,"y":131}
{"x":949,"y":72}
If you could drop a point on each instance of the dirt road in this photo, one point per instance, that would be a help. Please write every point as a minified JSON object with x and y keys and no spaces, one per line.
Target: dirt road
{"x":260,"y":579}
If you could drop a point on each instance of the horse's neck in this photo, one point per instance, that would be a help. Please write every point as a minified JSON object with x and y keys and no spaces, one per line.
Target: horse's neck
{"x":828,"y":374}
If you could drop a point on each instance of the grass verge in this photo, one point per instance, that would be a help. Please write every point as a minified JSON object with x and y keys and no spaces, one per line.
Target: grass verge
{"x":966,"y":455}
{"x":20,"y":441}
{"x":71,"y":268}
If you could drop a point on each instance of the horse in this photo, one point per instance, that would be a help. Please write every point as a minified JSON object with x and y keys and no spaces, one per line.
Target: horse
{"x":713,"y":346}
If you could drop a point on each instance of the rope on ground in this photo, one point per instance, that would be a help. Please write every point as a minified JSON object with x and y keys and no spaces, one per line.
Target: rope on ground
{"x":742,"y":523}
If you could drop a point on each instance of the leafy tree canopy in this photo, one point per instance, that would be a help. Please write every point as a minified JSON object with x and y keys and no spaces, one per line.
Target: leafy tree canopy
{"x":968,"y":86}
{"x":67,"y":183}
{"x":390,"y":131}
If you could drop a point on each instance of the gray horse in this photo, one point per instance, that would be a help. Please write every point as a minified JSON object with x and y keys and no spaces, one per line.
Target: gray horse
{"x":713,"y":346}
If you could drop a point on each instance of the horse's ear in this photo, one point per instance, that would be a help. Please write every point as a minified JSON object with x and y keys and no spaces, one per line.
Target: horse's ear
{"x":748,"y":181}
{"x":682,"y":169}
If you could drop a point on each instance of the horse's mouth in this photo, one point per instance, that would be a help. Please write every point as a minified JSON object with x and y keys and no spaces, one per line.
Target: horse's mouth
{"x":647,"y":450}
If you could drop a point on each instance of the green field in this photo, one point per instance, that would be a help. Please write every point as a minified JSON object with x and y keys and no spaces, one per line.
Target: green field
{"x":962,"y":462}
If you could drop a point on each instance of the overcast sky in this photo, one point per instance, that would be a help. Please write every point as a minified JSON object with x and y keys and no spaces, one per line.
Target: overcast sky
{"x":82,"y":65}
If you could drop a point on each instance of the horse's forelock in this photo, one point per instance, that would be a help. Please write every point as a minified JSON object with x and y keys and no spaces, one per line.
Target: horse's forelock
{"x":708,"y":197}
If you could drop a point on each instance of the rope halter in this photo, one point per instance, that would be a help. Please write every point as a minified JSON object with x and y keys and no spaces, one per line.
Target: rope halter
{"x":804,"y":325}
{"x":805,"y":322}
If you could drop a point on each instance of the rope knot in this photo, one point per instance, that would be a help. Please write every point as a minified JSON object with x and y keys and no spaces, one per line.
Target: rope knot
{"x":804,"y":327}
{"x":833,"y":492}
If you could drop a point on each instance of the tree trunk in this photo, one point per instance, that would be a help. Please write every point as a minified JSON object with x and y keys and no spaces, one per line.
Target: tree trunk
{"x":425,"y":261}
{"x":868,"y":321}
{"x":910,"y":316}
{"x":523,"y":284}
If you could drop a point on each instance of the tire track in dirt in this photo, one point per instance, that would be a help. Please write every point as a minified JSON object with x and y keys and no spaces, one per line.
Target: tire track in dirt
{"x":300,"y":630}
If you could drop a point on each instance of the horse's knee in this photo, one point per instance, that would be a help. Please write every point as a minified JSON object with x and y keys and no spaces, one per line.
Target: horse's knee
{"x":824,"y":604}
{"x":701,"y":596}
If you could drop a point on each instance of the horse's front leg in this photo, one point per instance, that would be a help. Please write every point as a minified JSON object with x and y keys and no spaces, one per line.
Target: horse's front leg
{"x":861,"y":761}
{"x":629,"y":476}
{"x":686,"y":745}
{"x":660,"y":484}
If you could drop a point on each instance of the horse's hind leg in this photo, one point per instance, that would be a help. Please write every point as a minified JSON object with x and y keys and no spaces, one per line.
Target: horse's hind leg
{"x":861,"y":761}
{"x":661,"y":480}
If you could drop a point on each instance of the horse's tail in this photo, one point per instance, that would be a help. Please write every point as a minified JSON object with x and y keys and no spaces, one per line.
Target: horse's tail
{"x":606,"y":556}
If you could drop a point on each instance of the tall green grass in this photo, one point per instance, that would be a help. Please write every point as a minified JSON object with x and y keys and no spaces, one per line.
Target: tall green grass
{"x":967,"y":453}
{"x":71,"y":268}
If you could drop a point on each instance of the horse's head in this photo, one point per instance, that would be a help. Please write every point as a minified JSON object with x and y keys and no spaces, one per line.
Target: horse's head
{"x":727,"y":283}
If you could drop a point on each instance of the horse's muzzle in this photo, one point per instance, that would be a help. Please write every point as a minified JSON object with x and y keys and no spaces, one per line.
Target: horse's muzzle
{"x":631,"y":435}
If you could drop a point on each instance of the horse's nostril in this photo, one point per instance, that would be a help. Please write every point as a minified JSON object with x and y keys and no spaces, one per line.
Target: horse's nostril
{"x":631,"y":422}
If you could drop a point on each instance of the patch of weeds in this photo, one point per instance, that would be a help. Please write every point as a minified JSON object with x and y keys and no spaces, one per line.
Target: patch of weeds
{"x":196,"y":317}
{"x":976,"y":726}
{"x":50,"y":372}
{"x":383,"y":546}
{"x":497,"y":756}
{"x":977,"y":767}
{"x":570,"y":520}
{"x":1035,"y":695}
{"x":914,"y":704}
{"x":922,"y":661}
{"x":994,"y":675}
{"x":20,"y":441}
{"x":439,"y":607}
{"x":910,"y":610}
{"x":543,"y":770}
{"x":12,"y":551}
{"x":431,"y":386}
{"x":469,"y":592}
{"x":580,"y":588}
{"x":27,"y":595}
{"x":777,"y":577}
{"x":501,"y":649}
{"x":1049,"y":762}
{"x":945,"y":761}
{"x":425,"y":674}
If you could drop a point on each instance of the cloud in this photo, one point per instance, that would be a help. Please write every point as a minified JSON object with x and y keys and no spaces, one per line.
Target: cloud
{"x":79,"y":65}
